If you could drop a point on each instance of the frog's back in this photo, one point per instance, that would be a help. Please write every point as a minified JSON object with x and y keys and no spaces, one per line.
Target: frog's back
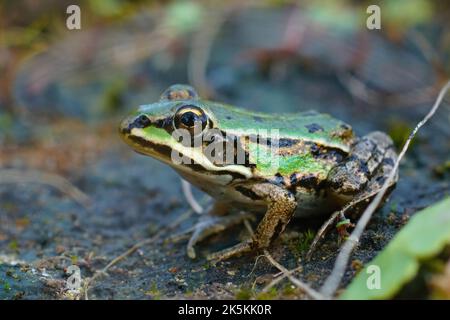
{"x":307,"y":126}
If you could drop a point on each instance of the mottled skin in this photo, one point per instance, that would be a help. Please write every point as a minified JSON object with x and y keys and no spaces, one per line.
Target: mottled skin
{"x":318,"y":167}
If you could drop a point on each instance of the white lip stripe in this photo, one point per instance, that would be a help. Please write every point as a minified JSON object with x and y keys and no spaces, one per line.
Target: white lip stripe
{"x":198,"y":157}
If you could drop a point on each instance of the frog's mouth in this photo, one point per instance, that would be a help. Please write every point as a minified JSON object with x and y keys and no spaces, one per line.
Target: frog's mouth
{"x":146,"y":147}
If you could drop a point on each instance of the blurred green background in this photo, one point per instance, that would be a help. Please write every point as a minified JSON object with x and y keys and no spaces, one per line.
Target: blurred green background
{"x":63,"y":92}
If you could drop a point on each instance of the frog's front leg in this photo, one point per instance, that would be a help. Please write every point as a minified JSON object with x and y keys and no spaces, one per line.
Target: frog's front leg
{"x":281,"y":205}
{"x":216,"y":220}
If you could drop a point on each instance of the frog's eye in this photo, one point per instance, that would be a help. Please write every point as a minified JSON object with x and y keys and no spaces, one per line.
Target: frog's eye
{"x":188,"y":117}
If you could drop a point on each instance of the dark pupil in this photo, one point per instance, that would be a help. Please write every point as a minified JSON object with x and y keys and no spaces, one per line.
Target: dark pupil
{"x":189,"y":118}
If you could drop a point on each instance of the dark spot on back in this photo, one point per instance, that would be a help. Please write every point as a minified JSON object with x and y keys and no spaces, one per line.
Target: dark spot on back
{"x":283,"y":143}
{"x":309,"y":181}
{"x":320,"y":152}
{"x":257,"y":119}
{"x":313,"y":127}
{"x":331,"y":154}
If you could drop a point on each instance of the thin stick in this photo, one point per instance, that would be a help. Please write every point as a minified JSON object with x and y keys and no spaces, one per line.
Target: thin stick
{"x":332,"y":282}
{"x":51,"y":179}
{"x":201,"y":50}
{"x":187,"y":191}
{"x":280,"y":277}
{"x":321,"y":233}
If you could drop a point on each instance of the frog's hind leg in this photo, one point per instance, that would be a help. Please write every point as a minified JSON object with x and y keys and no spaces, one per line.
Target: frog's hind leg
{"x":214,"y":222}
{"x":360,"y":177}
{"x":281,"y":205}
{"x":371,"y":155}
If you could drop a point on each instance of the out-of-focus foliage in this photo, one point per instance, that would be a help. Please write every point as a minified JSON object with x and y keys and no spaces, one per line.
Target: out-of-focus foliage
{"x":422,"y":239}
{"x":407,"y":13}
{"x":107,"y":7}
{"x":336,"y":14}
{"x":183,"y":16}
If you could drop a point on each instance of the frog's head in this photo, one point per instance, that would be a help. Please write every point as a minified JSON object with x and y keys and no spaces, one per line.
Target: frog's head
{"x":150,"y":129}
{"x":165,"y":130}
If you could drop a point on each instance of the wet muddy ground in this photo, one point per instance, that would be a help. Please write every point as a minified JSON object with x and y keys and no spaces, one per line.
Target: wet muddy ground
{"x":67,"y":125}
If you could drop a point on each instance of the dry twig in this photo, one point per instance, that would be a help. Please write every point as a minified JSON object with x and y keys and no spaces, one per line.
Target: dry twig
{"x":279,"y":277}
{"x":187,"y":191}
{"x":201,"y":50}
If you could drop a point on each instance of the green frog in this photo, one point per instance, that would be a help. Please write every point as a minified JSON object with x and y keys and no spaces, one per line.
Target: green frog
{"x":304,"y":164}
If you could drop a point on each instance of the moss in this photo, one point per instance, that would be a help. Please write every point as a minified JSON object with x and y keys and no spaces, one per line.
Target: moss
{"x":14,"y":245}
{"x":441,"y":170}
{"x":269,"y":295}
{"x":74,"y":259}
{"x":244,"y":293}
{"x":399,"y":132}
{"x":206,"y":266}
{"x":289,"y":290}
{"x":305,"y":240}
{"x":6,"y":286}
{"x":393,"y":207}
{"x":154,"y":291}
{"x":188,"y":293}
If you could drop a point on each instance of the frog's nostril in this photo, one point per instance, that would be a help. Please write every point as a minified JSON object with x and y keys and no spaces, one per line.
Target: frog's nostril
{"x":141,"y":122}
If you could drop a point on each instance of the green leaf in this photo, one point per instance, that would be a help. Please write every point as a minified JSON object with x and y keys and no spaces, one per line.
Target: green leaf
{"x":425,"y":236}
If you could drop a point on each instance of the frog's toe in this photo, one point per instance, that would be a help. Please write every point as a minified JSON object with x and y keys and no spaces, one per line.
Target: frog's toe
{"x":236,"y":250}
{"x":207,"y":226}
